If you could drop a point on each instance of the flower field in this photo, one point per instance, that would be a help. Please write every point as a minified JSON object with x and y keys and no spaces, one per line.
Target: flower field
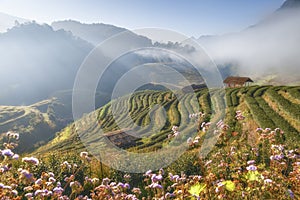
{"x":256,"y":156}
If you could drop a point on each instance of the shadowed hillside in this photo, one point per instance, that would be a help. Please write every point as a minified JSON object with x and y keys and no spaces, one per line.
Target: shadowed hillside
{"x":37,"y":123}
{"x":37,"y":61}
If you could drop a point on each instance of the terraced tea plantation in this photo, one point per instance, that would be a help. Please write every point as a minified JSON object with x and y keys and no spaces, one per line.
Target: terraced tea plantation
{"x":150,"y":116}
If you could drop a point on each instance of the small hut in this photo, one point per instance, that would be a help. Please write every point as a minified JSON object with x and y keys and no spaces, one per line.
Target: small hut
{"x":235,"y":81}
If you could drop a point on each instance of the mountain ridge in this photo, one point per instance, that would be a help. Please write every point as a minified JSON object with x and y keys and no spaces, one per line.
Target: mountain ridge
{"x":290,"y":4}
{"x":266,"y":48}
{"x":96,"y":33}
{"x":8,"y":21}
{"x":39,"y":55}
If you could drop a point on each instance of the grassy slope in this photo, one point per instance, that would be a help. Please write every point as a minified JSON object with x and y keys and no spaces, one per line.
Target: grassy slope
{"x":252,"y":101}
{"x":37,"y":123}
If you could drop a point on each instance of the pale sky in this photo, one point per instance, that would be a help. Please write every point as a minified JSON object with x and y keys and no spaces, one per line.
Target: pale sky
{"x":190,"y":17}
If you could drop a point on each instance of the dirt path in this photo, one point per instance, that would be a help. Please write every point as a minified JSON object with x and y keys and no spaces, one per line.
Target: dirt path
{"x":249,"y":126}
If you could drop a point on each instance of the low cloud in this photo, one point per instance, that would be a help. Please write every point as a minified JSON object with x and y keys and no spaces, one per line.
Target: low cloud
{"x":270,"y":47}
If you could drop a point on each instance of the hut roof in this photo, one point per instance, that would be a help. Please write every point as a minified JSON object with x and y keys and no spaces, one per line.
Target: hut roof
{"x":237,"y":80}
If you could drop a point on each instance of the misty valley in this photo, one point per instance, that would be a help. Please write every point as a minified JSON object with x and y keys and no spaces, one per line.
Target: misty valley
{"x":98,"y":111}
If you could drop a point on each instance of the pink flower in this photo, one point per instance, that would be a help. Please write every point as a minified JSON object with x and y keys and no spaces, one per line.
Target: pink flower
{"x":127,"y":186}
{"x":51,"y":179}
{"x":120,"y":185}
{"x":155,"y":178}
{"x":251,"y":162}
{"x":26,"y":174}
{"x":148,"y":173}
{"x":58,"y":190}
{"x":38,"y":182}
{"x":174,"y":178}
{"x":7,"y":153}
{"x":155,"y":185}
{"x":16,"y":157}
{"x":31,"y":160}
{"x":259,"y":130}
{"x":291,"y":193}
{"x":268,"y":181}
{"x":251,"y":168}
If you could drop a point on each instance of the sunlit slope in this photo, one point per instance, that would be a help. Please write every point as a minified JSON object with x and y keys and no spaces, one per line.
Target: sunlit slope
{"x":137,"y":120}
{"x":263,"y":106}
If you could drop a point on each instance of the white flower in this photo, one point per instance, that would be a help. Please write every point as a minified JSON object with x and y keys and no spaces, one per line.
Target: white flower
{"x":208,"y":162}
{"x":189,"y":141}
{"x":95,"y":180}
{"x":16,"y":157}
{"x":196,"y":142}
{"x":16,"y":136}
{"x":174,"y":128}
{"x":51,"y":174}
{"x":8,"y":134}
{"x":29,"y":195}
{"x":15,"y":192}
{"x":84,"y":154}
{"x":176,"y":133}
{"x":268,"y":181}
{"x":251,"y":162}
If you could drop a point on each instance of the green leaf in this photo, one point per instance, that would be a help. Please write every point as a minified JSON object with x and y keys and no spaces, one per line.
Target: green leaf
{"x":197,"y":189}
{"x":253,"y":176}
{"x":229,"y":185}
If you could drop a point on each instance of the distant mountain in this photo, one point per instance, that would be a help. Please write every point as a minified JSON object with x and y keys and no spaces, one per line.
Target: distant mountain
{"x":290,"y":4}
{"x":37,"y":61}
{"x":97,"y":32}
{"x":8,"y":21}
{"x":151,"y":86}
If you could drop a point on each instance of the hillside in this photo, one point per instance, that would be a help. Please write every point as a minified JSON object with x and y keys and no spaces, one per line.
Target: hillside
{"x":32,"y":56}
{"x":290,"y":4}
{"x":36,"y":54}
{"x":8,"y":21}
{"x":98,"y":32}
{"x":263,"y":106}
{"x":36,"y":123}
